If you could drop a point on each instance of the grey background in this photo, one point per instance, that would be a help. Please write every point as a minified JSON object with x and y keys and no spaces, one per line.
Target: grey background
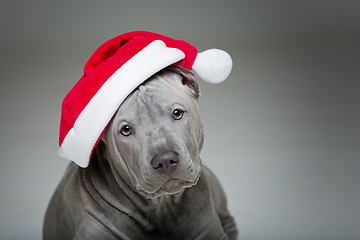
{"x":282,"y":133}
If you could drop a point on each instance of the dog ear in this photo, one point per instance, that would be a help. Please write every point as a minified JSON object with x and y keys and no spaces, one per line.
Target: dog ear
{"x":188,"y":78}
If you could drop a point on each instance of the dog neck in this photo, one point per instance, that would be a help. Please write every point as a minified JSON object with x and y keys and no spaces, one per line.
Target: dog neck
{"x":117,"y":193}
{"x":152,"y":215}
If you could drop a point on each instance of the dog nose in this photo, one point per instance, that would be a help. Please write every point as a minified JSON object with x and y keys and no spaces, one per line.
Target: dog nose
{"x":165,"y":162}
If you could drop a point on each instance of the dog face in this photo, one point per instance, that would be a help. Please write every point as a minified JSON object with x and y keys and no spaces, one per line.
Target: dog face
{"x":154,"y":140}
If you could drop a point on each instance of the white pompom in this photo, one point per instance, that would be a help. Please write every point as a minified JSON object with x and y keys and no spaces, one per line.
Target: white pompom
{"x":213,"y":65}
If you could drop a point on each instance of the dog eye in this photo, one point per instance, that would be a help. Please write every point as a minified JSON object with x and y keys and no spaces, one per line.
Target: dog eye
{"x":126,"y":130}
{"x":178,"y":114}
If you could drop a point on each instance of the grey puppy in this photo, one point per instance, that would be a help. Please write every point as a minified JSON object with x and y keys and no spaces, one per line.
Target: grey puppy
{"x":145,"y":179}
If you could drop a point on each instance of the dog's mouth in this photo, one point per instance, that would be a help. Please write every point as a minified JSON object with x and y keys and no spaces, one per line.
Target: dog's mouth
{"x":170,"y":186}
{"x":173,"y":184}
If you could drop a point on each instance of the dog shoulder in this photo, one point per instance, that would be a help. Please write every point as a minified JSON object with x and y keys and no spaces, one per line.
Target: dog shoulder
{"x":58,"y":216}
{"x":220,"y":203}
{"x":217,"y":192}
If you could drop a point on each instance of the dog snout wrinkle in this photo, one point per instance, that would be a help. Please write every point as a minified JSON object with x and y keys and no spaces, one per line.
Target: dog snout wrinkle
{"x":165,"y":162}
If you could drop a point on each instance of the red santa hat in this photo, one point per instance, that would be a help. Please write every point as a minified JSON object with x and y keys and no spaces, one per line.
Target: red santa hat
{"x":113,"y":71}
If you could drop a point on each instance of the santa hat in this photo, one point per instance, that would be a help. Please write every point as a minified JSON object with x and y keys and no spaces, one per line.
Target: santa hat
{"x":113,"y":71}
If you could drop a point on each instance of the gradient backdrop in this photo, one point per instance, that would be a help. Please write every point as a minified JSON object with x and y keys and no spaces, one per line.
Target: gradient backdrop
{"x":282,"y":133}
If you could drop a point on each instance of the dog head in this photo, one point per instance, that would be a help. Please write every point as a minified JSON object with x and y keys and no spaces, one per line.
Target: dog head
{"x":154,"y":139}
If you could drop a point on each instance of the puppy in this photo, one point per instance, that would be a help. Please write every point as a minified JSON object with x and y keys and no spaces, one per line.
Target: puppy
{"x":145,"y":179}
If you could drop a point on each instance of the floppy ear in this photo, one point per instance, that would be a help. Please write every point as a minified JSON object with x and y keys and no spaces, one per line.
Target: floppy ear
{"x":188,"y":78}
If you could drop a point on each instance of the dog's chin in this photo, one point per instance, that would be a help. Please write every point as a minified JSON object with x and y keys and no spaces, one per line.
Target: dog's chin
{"x":170,"y":187}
